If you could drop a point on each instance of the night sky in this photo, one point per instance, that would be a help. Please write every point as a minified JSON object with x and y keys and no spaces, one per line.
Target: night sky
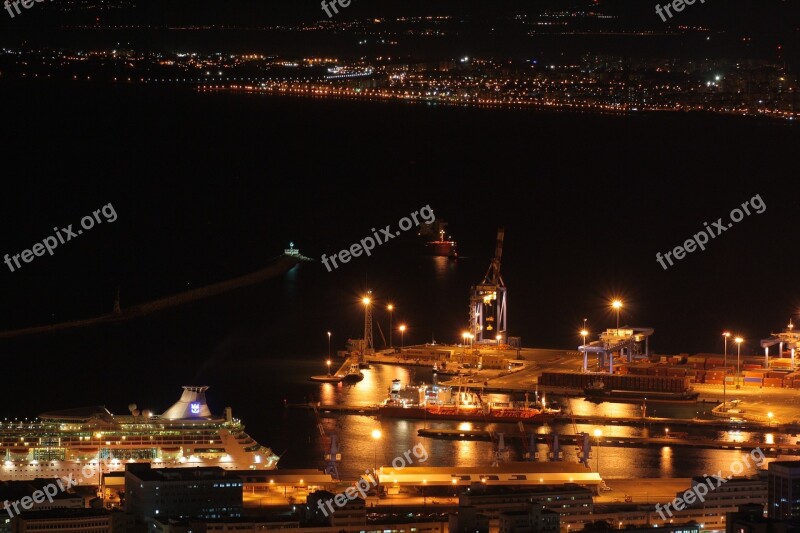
{"x":209,"y":187}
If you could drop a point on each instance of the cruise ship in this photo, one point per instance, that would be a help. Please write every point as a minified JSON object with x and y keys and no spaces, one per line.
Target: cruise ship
{"x":92,"y":439}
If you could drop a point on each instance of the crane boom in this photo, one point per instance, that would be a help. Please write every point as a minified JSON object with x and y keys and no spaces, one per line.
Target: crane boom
{"x":493,"y":274}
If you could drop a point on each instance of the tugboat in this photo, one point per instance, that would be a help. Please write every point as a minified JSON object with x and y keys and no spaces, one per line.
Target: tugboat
{"x":443,"y":370}
{"x":353,"y":374}
{"x":596,"y":390}
{"x":294,"y":253}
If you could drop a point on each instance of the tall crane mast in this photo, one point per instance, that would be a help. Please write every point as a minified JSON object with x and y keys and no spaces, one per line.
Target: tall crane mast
{"x":487,"y":303}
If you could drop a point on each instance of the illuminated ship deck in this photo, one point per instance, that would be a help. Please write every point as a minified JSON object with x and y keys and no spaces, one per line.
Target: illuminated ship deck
{"x":185,"y":435}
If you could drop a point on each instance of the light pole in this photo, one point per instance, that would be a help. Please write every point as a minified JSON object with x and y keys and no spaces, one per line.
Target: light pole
{"x":329,"y":366}
{"x":584,"y":334}
{"x":738,"y":341}
{"x":402,"y":336}
{"x":598,"y":433}
{"x":769,"y":416}
{"x":464,"y":336}
{"x":376,"y":435}
{"x":368,"y":340}
{"x":725,"y":374}
{"x":617,"y":305}
{"x":329,"y":345}
{"x":390,"y":307}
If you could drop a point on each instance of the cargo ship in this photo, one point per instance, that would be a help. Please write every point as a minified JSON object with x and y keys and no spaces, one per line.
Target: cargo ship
{"x":187,"y":435}
{"x":597,"y":392}
{"x":439,"y":245}
{"x":442,"y":247}
{"x":436,"y":402}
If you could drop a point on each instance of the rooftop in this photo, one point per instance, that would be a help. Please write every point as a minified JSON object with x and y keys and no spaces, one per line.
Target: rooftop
{"x":143,"y":472}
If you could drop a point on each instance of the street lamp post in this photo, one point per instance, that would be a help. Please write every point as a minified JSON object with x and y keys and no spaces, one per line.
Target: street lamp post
{"x":617,"y":305}
{"x":725,"y":374}
{"x":598,"y":433}
{"x":390,"y":307}
{"x":376,"y":435}
{"x":464,"y":336}
{"x":738,"y":341}
{"x":329,"y":366}
{"x":584,"y":334}
{"x":329,"y":345}
{"x":402,"y":336}
{"x":769,"y":416}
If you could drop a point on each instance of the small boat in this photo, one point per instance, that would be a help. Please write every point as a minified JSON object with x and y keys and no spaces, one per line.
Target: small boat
{"x":354,"y":374}
{"x":443,"y":370}
{"x":335,"y":378}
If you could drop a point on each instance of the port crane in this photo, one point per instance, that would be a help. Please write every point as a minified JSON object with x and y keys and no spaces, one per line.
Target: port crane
{"x":625,"y":340}
{"x":487,"y":302}
{"x":333,"y":456}
{"x":787,"y":337}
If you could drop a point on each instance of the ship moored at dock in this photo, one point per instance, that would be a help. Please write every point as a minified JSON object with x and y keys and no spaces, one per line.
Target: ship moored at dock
{"x":187,"y":434}
{"x":436,"y":402}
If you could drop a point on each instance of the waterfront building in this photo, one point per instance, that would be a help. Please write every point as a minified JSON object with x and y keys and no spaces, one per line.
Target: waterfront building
{"x":784,"y":490}
{"x":72,"y":521}
{"x":208,"y":492}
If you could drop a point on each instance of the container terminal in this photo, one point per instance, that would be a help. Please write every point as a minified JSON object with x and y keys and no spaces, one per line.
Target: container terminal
{"x":752,"y":396}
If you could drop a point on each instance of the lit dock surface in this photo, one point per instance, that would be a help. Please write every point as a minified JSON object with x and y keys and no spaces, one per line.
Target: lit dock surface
{"x":717,"y":423}
{"x":506,"y":474}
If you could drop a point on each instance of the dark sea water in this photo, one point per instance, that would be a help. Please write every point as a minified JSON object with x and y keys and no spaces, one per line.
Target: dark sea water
{"x":211,"y":186}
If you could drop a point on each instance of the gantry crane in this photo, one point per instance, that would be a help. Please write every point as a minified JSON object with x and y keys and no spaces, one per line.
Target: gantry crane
{"x":487,"y":302}
{"x":788,"y":337}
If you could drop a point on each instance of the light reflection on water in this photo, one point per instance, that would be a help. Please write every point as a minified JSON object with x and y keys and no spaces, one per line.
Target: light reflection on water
{"x":360,"y":451}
